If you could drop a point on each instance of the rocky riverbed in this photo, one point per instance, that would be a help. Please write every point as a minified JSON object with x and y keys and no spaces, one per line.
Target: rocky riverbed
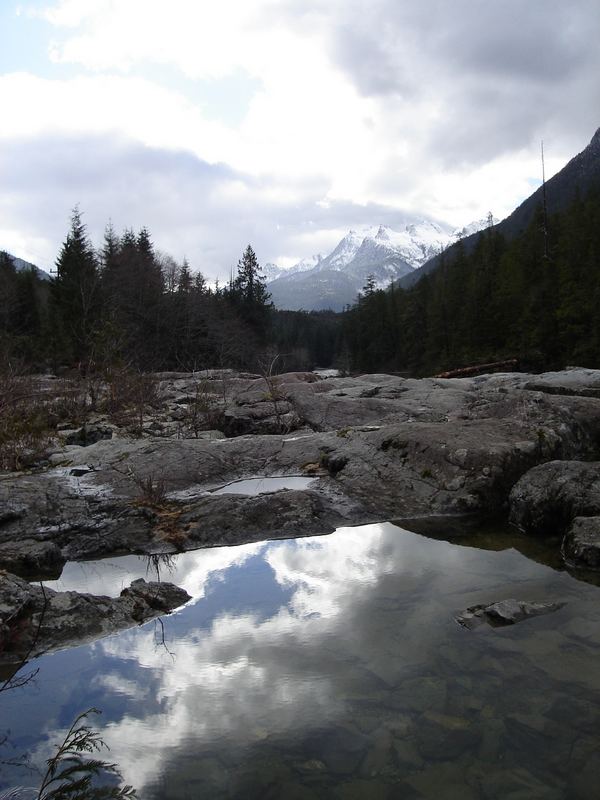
{"x":378,"y":446}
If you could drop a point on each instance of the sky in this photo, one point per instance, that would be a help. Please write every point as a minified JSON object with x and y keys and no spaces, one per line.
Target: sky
{"x":282,"y":123}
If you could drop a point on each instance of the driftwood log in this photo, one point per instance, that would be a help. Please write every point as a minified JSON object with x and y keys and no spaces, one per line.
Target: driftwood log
{"x":480,"y":369}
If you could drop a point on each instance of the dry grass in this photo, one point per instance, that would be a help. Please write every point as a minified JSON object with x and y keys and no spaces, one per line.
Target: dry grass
{"x":127,"y":395}
{"x":30,"y":410}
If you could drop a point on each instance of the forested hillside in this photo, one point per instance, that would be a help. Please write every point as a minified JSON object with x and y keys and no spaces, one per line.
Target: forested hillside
{"x":535,"y":298}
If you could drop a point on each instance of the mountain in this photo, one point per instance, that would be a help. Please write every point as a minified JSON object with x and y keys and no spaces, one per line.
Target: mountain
{"x":21,"y":266}
{"x":272,"y":272}
{"x":334,"y":281}
{"x":577,"y":177}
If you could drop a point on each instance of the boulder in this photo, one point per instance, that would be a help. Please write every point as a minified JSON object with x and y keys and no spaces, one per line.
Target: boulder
{"x":581,"y":545}
{"x":89,"y":434}
{"x":548,"y":497}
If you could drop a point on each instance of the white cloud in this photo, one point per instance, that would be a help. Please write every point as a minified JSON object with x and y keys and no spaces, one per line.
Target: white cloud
{"x":433,"y":113}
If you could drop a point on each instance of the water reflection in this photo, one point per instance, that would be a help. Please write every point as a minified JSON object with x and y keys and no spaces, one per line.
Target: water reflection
{"x":332,"y":667}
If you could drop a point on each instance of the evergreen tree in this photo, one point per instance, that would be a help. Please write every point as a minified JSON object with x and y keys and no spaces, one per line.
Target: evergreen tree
{"x":75,"y":292}
{"x":248,"y":291}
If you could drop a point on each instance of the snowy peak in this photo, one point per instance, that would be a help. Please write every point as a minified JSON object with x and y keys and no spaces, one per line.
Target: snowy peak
{"x":413,"y":245}
{"x":306,"y":263}
{"x":386,"y":254}
{"x":271,"y":272}
{"x":344,"y":252}
{"x":380,"y":251}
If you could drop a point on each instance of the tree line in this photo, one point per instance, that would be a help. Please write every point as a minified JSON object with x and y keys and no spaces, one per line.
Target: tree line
{"x":126,"y":304}
{"x":534,"y":298}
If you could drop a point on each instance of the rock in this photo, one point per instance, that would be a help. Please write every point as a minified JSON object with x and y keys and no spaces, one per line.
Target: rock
{"x":9,"y":511}
{"x":158,"y":596}
{"x":341,"y":749}
{"x":89,"y":434}
{"x":504,"y":612}
{"x":574,"y":381}
{"x":517,"y":784}
{"x":548,"y":497}
{"x":29,"y":557}
{"x":34,"y":620}
{"x":581,"y":545}
{"x":441,"y":737}
{"x":412,"y":448}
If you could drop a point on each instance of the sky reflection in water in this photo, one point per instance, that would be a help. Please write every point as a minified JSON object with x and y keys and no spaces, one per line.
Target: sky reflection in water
{"x":332,"y":666}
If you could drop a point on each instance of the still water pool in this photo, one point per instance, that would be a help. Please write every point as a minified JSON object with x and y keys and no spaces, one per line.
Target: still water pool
{"x":332,"y":667}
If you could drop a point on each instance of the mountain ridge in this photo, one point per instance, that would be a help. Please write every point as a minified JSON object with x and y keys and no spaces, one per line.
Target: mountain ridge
{"x":578,"y":175}
{"x":336,"y":279}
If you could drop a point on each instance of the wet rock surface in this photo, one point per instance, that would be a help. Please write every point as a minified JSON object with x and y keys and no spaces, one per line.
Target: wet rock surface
{"x":547,"y":498}
{"x":562,"y":498}
{"x":35,"y":620}
{"x":581,"y":545}
{"x":381,"y":446}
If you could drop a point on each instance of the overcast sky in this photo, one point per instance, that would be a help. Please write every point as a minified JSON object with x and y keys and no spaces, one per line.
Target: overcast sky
{"x":282,"y":122}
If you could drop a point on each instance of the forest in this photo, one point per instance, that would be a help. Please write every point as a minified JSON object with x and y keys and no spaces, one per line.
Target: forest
{"x":533,"y":298}
{"x":125,"y":305}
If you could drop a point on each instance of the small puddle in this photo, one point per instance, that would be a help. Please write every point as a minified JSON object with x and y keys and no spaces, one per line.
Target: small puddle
{"x":253,"y":486}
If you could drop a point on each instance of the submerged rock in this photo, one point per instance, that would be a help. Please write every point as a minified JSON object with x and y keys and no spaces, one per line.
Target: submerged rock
{"x":504,"y":612}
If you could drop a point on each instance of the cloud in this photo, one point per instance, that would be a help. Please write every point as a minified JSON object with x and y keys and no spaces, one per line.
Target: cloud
{"x":220,"y":124}
{"x":205,"y":212}
{"x":294,"y":672}
{"x":501,"y":75}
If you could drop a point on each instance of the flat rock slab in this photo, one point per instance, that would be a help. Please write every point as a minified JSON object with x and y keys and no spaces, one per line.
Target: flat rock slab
{"x":504,"y":612}
{"x":384,"y":447}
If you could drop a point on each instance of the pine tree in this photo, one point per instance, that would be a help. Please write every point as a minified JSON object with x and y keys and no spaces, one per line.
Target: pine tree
{"x":248,"y":292}
{"x":249,"y":284}
{"x":75,"y":291}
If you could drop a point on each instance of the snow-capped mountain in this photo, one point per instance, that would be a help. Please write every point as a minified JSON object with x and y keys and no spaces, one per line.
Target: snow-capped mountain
{"x":380,"y":251}
{"x":307,"y":264}
{"x":271,"y":272}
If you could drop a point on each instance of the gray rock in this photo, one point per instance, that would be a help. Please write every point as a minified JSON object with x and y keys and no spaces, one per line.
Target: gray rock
{"x":581,"y":545}
{"x":548,"y":497}
{"x":504,"y":612}
{"x":89,"y":434}
{"x":441,"y":737}
{"x":34,"y":620}
{"x":32,"y":558}
{"x":383,"y":447}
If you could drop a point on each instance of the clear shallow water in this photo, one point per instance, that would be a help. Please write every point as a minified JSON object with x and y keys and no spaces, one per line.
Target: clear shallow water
{"x":332,"y":667}
{"x":255,"y":486}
